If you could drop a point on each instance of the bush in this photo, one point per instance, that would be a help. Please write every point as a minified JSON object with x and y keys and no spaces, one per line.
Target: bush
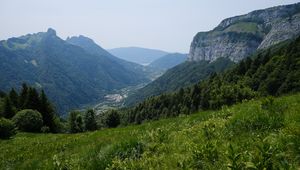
{"x":7,"y":128}
{"x":28,"y":120}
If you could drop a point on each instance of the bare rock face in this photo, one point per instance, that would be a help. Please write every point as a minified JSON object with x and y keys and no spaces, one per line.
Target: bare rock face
{"x":238,"y":37}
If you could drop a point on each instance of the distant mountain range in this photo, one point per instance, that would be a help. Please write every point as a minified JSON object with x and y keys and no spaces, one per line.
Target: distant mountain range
{"x":73,"y":72}
{"x":138,"y":55}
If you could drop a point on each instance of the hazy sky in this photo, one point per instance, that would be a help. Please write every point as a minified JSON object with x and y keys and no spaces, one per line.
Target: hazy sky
{"x":168,"y":25}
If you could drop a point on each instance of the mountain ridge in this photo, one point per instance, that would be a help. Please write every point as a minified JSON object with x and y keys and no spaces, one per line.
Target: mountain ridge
{"x":70,"y":76}
{"x":240,"y":36}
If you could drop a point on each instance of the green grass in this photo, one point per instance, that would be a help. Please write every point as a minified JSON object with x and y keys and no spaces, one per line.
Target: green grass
{"x":255,"y":134}
{"x":249,"y":27}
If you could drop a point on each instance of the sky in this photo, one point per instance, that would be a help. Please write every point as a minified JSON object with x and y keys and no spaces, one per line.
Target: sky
{"x":168,"y":25}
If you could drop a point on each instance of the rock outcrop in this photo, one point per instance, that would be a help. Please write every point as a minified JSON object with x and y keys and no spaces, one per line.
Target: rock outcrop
{"x":240,"y":36}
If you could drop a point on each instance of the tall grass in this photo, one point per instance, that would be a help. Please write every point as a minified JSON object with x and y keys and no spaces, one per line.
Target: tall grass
{"x":256,"y":134}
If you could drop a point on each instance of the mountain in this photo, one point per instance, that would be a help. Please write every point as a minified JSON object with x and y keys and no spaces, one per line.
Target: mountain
{"x":177,"y":77}
{"x":270,"y":72}
{"x":91,"y":47}
{"x":234,"y":38}
{"x":168,"y":61}
{"x":138,"y":55}
{"x":70,"y":75}
{"x":240,"y":36}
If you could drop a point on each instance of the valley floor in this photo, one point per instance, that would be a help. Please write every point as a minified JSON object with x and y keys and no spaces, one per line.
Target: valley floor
{"x":255,"y":134}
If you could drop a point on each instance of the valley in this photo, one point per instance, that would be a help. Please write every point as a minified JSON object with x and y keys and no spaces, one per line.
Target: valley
{"x":115,"y":99}
{"x":231,"y":102}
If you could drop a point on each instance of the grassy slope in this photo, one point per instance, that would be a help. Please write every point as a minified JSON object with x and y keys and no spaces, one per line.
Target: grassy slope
{"x":258,"y":136}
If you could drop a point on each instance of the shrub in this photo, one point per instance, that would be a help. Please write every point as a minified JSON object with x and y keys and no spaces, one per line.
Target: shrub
{"x":28,"y":120}
{"x":7,"y":128}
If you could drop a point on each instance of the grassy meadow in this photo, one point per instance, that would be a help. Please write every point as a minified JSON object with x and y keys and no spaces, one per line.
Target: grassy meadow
{"x":255,"y":134}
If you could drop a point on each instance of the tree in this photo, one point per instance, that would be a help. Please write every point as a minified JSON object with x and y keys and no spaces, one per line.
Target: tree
{"x":14,"y":98}
{"x":47,"y":112}
{"x":2,"y":94}
{"x":75,"y":122}
{"x":8,"y":110}
{"x":32,"y":100}
{"x":23,"y":95}
{"x":7,"y":128}
{"x":112,"y":118}
{"x":28,"y":120}
{"x":89,"y":120}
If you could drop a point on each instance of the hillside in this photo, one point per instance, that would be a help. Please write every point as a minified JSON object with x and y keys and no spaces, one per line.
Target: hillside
{"x":94,"y":49}
{"x":168,"y":61}
{"x":240,"y":36}
{"x":273,"y":71}
{"x":70,"y":76}
{"x":180,"y":76}
{"x":138,"y":55}
{"x":258,"y":134}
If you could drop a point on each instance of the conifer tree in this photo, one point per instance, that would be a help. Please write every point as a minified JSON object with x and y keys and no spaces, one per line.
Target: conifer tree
{"x":23,"y":95}
{"x":8,"y":110}
{"x":32,"y":100}
{"x":14,"y":98}
{"x":47,"y":112}
{"x":2,"y":94}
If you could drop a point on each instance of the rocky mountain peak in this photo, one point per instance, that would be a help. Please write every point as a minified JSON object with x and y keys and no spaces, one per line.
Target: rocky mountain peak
{"x":240,"y":36}
{"x":51,"y":31}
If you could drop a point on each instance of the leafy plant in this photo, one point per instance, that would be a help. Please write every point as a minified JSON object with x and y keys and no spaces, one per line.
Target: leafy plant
{"x":28,"y":120}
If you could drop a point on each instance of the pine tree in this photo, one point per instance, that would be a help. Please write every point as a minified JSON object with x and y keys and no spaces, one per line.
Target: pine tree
{"x":79,"y":123}
{"x":47,"y":112}
{"x":89,"y":120}
{"x":23,"y":95}
{"x":14,"y":98}
{"x":2,"y":94}
{"x":8,"y":110}
{"x":32,"y":100}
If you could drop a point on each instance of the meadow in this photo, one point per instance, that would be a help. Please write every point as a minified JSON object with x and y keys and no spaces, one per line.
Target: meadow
{"x":256,"y":134}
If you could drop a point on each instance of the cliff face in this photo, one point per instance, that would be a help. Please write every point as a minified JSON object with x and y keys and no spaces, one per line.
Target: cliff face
{"x":240,"y":36}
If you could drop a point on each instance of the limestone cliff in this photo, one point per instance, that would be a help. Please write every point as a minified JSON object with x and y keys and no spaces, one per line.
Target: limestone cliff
{"x":240,"y":36}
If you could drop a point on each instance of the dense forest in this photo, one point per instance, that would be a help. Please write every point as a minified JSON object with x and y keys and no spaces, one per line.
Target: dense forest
{"x":273,"y":71}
